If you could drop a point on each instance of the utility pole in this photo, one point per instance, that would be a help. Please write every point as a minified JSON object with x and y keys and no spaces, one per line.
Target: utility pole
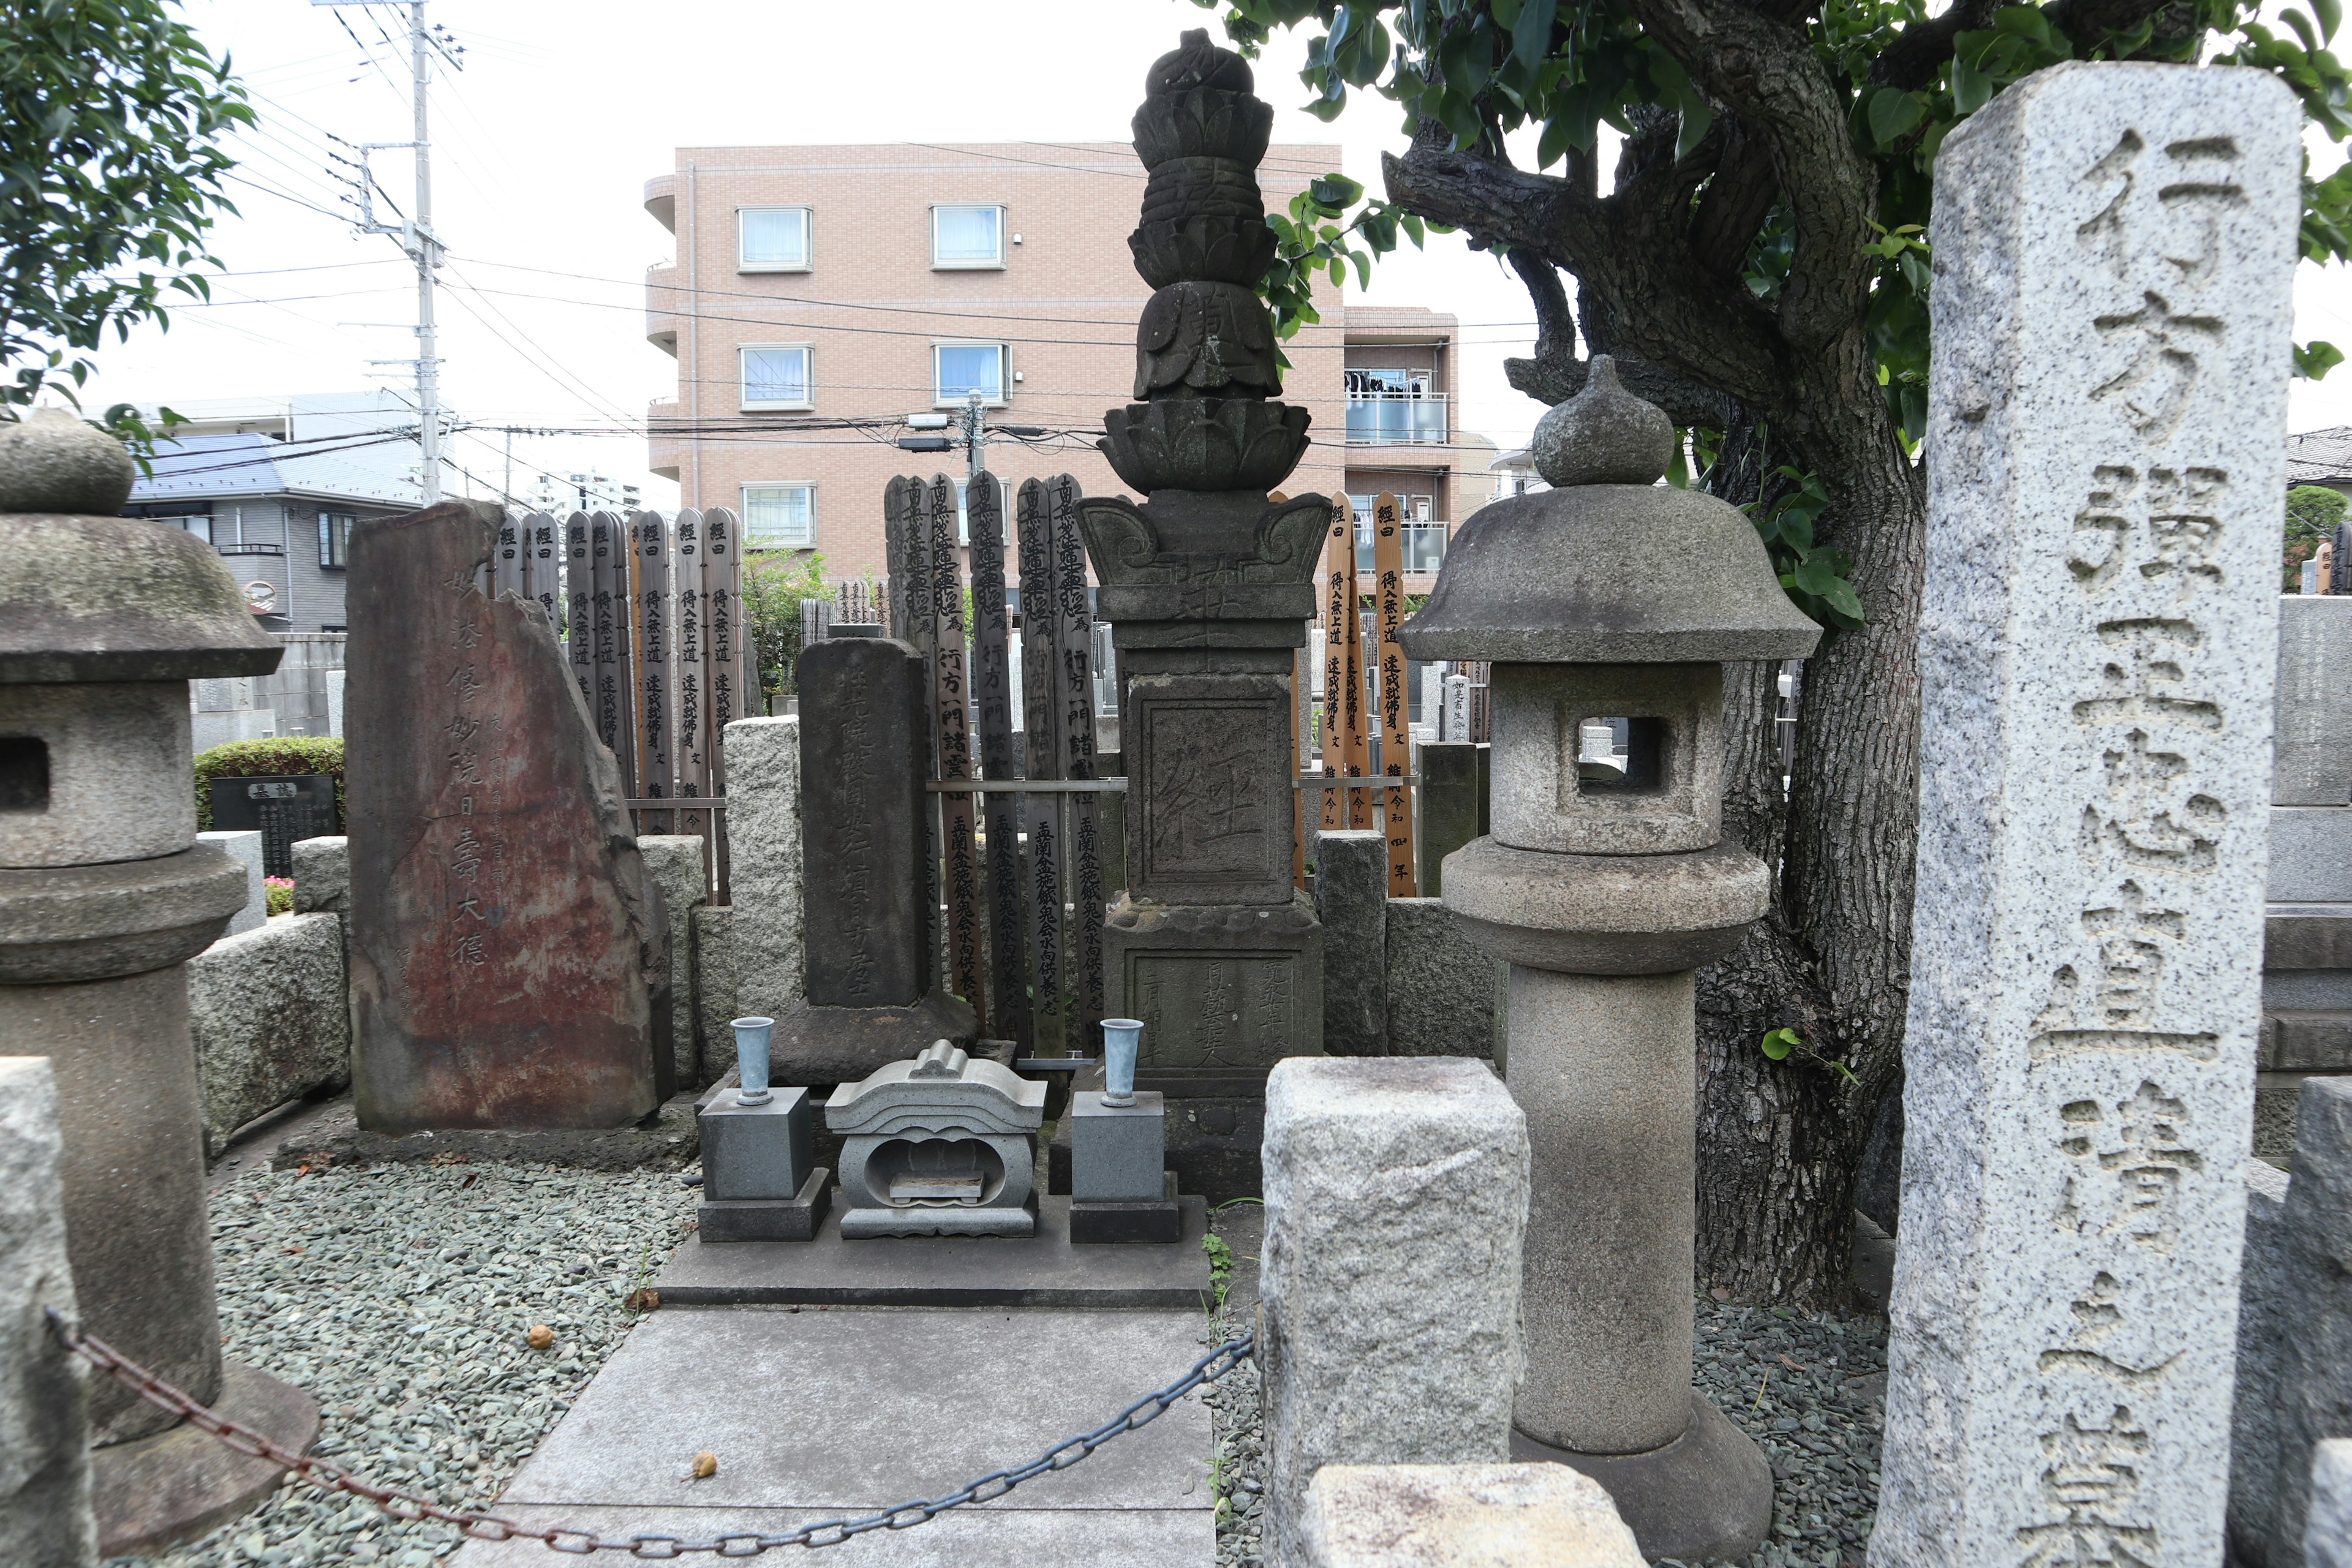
{"x":975,"y":440}
{"x":426,"y":248}
{"x":415,"y":235}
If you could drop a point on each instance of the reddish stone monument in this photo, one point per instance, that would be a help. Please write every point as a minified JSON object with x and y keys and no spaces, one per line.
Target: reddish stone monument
{"x":509,"y":963}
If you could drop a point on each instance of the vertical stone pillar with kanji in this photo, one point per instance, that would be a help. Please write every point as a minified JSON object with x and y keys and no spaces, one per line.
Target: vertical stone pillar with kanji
{"x":2114,"y":247}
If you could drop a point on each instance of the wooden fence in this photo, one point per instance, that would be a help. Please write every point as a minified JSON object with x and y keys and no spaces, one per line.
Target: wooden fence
{"x":650,"y":610}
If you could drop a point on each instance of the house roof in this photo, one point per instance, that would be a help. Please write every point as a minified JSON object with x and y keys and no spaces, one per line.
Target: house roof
{"x":210,"y":468}
{"x":2320,"y":457}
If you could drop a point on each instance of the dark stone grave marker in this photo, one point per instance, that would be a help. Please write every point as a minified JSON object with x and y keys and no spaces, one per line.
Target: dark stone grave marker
{"x":284,"y":809}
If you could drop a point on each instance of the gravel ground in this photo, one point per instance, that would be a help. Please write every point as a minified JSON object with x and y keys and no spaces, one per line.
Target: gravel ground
{"x":400,"y":1297}
{"x":1811,"y":1390}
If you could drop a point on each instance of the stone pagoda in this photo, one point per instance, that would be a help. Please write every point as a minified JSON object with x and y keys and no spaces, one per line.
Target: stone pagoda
{"x":1209,"y":586}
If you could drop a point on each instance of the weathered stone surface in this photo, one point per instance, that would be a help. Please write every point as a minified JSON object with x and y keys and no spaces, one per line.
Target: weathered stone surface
{"x":763,"y":852}
{"x":2314,"y":1363}
{"x":1445,"y":992}
{"x":45,"y":1517}
{"x":1224,"y":992}
{"x":1671,"y":798}
{"x":54,"y":460}
{"x":1608,"y":574}
{"x":1603,"y":435}
{"x":1209,"y":794}
{"x":2327,"y":1538}
{"x":1707,"y":1497}
{"x":2306,"y":1040}
{"x":120,"y":599}
{"x":2311,"y":854}
{"x":117,"y":755}
{"x":177,"y":1484}
{"x":322,"y":877}
{"x":1351,"y":898}
{"x":862,"y":837}
{"x":508,"y":956}
{"x":269,"y":1019}
{"x":665,"y":1140}
{"x":713,"y":928}
{"x":1396,"y":1194}
{"x":674,"y":860}
{"x":2312,"y":740}
{"x":841,"y":1045}
{"x":2266,"y":1310}
{"x":2308,"y":936}
{"x":1603,"y":1067}
{"x":245,"y":848}
{"x":2113,"y":250}
{"x":136,"y":1231}
{"x":1461,"y":1516}
{"x":86,"y":922}
{"x":1606,"y":914}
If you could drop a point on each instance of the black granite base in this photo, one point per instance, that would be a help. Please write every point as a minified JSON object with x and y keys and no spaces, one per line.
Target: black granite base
{"x":1101,"y":1223}
{"x":795,"y":1218}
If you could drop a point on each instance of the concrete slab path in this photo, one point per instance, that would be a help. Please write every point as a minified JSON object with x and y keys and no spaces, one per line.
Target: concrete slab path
{"x":820,"y":1413}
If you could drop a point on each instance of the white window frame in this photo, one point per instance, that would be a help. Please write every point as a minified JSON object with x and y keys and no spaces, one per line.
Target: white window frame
{"x":744,"y":496}
{"x":939,"y":399}
{"x":808,"y":238}
{"x":995,"y":266}
{"x":808,"y":378}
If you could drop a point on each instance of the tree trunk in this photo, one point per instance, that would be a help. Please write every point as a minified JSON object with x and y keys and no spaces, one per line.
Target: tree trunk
{"x":1779,"y":1142}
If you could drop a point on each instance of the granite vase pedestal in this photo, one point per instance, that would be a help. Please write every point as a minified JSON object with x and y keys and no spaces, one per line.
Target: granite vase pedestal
{"x":1208,"y":584}
{"x":1610,"y":601}
{"x":105,"y":894}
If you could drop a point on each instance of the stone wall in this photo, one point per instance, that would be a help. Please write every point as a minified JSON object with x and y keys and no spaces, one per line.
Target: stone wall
{"x":270,"y":1019}
{"x":1402,"y":979}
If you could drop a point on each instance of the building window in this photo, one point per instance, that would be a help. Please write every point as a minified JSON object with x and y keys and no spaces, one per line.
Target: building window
{"x":776,"y":376}
{"x":968,"y":236}
{"x":772,"y":240}
{"x":202,"y":527}
{"x":335,"y":539}
{"x":1391,"y":407}
{"x":779,"y":517}
{"x":959,"y":369}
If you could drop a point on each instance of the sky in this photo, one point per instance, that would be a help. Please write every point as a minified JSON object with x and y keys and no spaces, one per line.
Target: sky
{"x":542,"y":143}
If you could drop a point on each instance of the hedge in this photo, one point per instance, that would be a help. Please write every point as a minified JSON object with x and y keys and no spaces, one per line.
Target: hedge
{"x":289,"y":756}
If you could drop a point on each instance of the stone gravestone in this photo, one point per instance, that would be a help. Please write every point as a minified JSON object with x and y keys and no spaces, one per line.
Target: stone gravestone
{"x":2114,"y":248}
{"x":872,"y":995}
{"x":509,"y":954}
{"x":1208,"y":584}
{"x":284,"y":811}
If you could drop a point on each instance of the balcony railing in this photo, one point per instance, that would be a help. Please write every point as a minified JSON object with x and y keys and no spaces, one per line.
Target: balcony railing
{"x":1424,"y":546}
{"x":1396,"y":418}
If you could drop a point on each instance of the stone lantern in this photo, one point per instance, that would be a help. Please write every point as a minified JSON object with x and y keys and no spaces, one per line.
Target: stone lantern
{"x":104,"y":896}
{"x":1608,"y":606}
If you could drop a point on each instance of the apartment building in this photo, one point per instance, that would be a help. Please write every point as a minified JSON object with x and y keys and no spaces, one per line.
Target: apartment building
{"x":820,"y":296}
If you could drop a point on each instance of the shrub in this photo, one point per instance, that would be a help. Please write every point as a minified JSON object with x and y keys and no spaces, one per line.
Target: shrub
{"x":278,"y":895}
{"x":289,"y":756}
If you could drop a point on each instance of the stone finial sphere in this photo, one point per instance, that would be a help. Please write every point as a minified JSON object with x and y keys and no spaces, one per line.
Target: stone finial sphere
{"x":1196,"y":62}
{"x":1603,"y":435}
{"x":52,"y":462}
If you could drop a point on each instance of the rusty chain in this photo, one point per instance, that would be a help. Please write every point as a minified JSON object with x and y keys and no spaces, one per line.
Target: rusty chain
{"x":329,"y":1477}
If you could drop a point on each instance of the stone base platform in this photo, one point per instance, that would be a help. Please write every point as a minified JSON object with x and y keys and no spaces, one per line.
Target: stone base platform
{"x":767,"y":1219}
{"x":183,"y":1483}
{"x":665,"y":1140}
{"x":826,"y":1414}
{"x":1705,"y":1496}
{"x":1041,"y":1270}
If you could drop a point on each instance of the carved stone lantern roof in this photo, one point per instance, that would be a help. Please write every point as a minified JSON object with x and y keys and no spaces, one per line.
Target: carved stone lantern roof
{"x":90,"y":596}
{"x":1611,"y":567}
